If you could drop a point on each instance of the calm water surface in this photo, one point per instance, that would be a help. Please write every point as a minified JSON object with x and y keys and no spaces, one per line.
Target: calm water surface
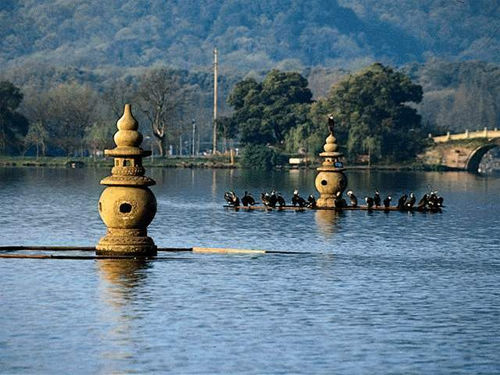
{"x":372,"y":293}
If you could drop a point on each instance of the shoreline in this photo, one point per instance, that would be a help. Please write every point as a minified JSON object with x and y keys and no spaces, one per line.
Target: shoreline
{"x":189,"y":162}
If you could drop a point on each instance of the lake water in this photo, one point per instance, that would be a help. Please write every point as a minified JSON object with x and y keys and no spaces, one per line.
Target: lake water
{"x":370,"y":293}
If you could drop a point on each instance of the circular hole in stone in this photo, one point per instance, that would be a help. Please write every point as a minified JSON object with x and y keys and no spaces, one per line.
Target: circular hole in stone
{"x":125,"y":208}
{"x":323,"y":182}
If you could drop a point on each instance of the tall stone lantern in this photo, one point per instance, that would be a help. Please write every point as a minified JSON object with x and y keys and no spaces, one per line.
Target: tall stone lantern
{"x":126,"y":205}
{"x":330,"y":181}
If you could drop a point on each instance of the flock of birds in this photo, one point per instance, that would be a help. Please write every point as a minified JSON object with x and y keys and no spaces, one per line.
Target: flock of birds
{"x":270,"y":200}
{"x":430,"y":201}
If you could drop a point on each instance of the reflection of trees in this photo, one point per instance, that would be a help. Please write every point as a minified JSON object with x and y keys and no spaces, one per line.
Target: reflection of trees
{"x":119,"y":281}
{"x":327,"y":221}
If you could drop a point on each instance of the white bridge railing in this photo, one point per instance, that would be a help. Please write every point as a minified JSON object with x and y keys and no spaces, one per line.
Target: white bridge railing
{"x":485,"y":133}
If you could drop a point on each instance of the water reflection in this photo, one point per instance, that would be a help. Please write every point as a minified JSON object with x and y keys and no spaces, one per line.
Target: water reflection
{"x":327,"y":221}
{"x":119,"y":289}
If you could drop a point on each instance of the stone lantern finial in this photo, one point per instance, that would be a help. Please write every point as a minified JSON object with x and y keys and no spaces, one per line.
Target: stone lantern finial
{"x":127,"y":206}
{"x":331,"y":181}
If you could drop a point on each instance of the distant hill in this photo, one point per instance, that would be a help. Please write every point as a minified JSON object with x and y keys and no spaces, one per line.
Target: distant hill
{"x":251,"y":35}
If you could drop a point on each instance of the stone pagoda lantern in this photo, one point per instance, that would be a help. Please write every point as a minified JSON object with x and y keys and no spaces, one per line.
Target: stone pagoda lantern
{"x":126,"y":205}
{"x":331,"y":181}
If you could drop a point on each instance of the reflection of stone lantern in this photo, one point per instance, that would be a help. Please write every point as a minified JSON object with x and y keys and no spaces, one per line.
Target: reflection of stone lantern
{"x":127,"y":206}
{"x":330,"y":181}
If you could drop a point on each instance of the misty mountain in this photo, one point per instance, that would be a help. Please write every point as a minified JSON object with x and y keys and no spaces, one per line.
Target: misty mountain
{"x":251,"y":35}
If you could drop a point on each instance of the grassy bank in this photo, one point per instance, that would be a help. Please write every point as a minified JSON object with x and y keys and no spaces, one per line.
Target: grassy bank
{"x":77,"y":162}
{"x":183,"y":162}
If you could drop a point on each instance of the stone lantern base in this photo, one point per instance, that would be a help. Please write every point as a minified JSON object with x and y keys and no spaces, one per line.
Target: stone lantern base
{"x":126,"y":242}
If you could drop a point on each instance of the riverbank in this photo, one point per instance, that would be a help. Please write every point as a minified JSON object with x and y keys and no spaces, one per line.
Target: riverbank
{"x":80,"y":162}
{"x":217,"y":162}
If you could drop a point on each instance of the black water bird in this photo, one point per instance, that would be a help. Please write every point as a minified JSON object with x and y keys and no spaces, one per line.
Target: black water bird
{"x":411,"y":201}
{"x":376,"y":198}
{"x":247,"y":199}
{"x":369,"y":202}
{"x":311,"y":201}
{"x":273,"y":199}
{"x":402,"y":201}
{"x":339,"y":201}
{"x":266,"y":199}
{"x":352,"y":197}
{"x":280,"y":200}
{"x":423,"y":202}
{"x":435,"y":201}
{"x":231,"y":198}
{"x":297,"y":200}
{"x":387,"y":201}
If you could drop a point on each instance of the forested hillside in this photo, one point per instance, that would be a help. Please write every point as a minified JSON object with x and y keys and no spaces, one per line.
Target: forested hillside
{"x":257,"y":34}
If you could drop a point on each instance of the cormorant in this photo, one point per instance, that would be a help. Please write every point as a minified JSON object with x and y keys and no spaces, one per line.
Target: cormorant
{"x":376,"y":198}
{"x":273,"y":199}
{"x":387,"y":201}
{"x":247,"y":199}
{"x":297,"y":200}
{"x":402,"y":201}
{"x":339,"y":201}
{"x":369,"y":202}
{"x":411,"y":201}
{"x":422,"y":203}
{"x":281,"y":200}
{"x":311,"y":201}
{"x":231,"y":198}
{"x":265,"y":199}
{"x":435,"y":202}
{"x":352,"y":197}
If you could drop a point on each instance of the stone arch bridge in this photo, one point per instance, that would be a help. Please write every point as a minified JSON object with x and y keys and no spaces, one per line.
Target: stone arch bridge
{"x":462,"y":151}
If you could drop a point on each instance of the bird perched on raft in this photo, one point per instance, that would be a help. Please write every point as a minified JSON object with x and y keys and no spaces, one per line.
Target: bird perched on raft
{"x":387,"y":201}
{"x":411,"y":201}
{"x":311,"y":201}
{"x":402,"y":201}
{"x":369,"y":202}
{"x":353,"y":198}
{"x":231,"y":198}
{"x":280,"y":200}
{"x":422,"y":203}
{"x":297,"y":200}
{"x":247,"y":200}
{"x":435,"y":201}
{"x":376,"y":198}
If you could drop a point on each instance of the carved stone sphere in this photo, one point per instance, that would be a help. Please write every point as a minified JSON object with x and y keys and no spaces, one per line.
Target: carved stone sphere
{"x":330,"y":183}
{"x":127,"y":207}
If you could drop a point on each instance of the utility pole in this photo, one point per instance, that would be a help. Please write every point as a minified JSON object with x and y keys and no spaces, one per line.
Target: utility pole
{"x":194,"y":137}
{"x":214,"y":146}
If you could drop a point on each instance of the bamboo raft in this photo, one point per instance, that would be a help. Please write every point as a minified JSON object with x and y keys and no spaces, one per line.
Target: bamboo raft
{"x":348,"y":208}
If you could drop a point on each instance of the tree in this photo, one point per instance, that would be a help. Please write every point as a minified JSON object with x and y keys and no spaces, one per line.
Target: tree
{"x":265,"y":112}
{"x":13,"y":125}
{"x":37,"y":136}
{"x":99,"y":136}
{"x":372,"y":115}
{"x":160,"y":93}
{"x":72,"y":108}
{"x":227,"y":128}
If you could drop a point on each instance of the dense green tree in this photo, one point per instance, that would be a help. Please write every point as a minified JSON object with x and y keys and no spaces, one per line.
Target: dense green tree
{"x":13,"y":125}
{"x":38,"y":137}
{"x":373,"y":116}
{"x":265,"y":112}
{"x":259,"y":156}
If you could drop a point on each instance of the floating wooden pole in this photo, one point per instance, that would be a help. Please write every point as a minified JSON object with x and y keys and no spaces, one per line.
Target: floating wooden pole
{"x":84,"y":257}
{"x":215,"y":250}
{"x":76,"y":248}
